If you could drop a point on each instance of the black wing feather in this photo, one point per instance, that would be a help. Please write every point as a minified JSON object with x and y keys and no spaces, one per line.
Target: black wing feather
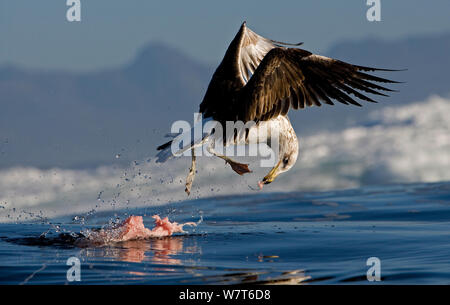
{"x":295,"y":78}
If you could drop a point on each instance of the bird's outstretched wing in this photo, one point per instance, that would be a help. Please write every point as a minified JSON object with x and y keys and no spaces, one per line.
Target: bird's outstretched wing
{"x":294,"y":78}
{"x":252,"y":48}
{"x":241,"y":59}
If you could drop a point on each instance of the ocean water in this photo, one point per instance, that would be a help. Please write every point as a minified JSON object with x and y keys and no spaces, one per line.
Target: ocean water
{"x":404,"y":144}
{"x":296,"y":230}
{"x":283,"y":238}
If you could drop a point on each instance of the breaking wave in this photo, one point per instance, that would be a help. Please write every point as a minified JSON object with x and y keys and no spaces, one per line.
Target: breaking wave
{"x":396,"y":145}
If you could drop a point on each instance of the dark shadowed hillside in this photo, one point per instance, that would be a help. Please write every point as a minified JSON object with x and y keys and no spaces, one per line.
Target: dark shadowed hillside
{"x":57,"y":118}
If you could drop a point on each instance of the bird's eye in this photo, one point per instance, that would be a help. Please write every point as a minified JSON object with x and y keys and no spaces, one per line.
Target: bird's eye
{"x":285,"y":161}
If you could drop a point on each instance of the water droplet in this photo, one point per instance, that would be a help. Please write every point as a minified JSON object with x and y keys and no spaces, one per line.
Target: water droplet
{"x":99,"y":196}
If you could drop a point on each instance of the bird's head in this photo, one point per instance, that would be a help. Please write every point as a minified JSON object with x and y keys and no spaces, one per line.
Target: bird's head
{"x":288,"y":157}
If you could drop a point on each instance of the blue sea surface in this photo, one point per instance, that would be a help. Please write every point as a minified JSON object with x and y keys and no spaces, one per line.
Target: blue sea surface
{"x":269,"y":238}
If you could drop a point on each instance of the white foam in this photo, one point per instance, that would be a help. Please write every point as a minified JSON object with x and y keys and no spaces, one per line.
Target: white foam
{"x":402,"y":144}
{"x":407,"y":144}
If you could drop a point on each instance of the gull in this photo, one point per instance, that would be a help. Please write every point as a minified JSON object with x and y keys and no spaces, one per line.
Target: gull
{"x":259,"y":80}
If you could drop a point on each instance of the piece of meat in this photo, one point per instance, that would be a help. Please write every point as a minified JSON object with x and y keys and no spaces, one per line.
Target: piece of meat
{"x":133,"y":228}
{"x":260,"y":184}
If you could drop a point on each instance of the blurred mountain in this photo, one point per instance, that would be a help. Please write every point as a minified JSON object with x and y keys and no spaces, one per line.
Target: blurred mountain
{"x":57,"y":118}
{"x":64,"y":119}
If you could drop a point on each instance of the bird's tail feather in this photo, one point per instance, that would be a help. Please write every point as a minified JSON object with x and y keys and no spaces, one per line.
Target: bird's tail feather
{"x":189,"y":140}
{"x":165,"y":145}
{"x":165,"y":151}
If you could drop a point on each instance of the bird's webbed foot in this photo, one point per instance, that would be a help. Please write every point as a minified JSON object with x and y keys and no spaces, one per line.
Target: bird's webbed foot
{"x":239,"y":168}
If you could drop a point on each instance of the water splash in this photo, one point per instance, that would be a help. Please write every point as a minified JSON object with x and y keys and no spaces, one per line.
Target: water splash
{"x":132,"y":229}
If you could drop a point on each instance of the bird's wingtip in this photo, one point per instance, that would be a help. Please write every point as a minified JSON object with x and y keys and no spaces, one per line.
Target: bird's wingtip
{"x":280,"y":43}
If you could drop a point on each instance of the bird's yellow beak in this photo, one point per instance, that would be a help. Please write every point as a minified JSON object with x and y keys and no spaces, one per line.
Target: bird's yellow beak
{"x":272,"y":174}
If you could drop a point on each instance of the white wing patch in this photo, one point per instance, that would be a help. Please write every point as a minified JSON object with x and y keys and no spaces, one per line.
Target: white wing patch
{"x":252,"y":51}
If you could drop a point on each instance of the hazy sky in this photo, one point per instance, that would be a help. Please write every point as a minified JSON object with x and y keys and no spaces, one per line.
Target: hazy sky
{"x":37,"y":34}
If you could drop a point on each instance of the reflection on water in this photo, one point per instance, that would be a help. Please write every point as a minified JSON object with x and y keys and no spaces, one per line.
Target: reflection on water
{"x":159,"y":250}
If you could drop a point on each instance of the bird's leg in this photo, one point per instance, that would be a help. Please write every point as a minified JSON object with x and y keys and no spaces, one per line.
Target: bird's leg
{"x":190,"y":177}
{"x":239,"y":168}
